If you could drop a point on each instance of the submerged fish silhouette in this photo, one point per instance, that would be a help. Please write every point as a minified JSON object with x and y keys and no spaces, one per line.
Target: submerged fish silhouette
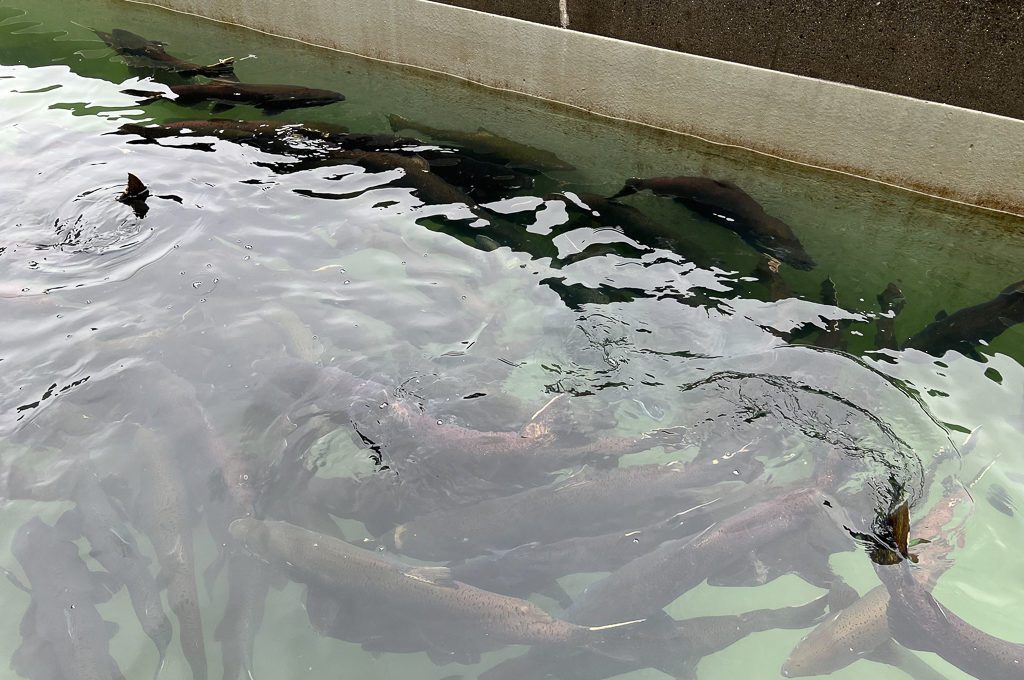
{"x":63,"y":633}
{"x":225,"y":94}
{"x":724,"y":203}
{"x":151,"y":54}
{"x":965,"y":329}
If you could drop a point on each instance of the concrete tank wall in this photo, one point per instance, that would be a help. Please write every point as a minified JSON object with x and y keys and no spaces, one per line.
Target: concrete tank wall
{"x":941,"y":150}
{"x":968,"y":54}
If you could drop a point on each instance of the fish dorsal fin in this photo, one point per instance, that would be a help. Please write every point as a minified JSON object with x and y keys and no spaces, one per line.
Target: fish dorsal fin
{"x":439,"y":576}
{"x":135,"y":187}
{"x":900,"y":521}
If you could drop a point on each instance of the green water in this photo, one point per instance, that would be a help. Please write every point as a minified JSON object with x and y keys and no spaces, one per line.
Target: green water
{"x":246,"y":269}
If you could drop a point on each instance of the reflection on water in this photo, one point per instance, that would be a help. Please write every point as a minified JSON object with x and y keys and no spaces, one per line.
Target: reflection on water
{"x":428,"y":382}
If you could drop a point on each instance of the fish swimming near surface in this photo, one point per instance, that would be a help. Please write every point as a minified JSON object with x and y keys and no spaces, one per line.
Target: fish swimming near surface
{"x":725,"y":204}
{"x":135,"y":195}
{"x":151,"y":54}
{"x":649,"y":583}
{"x":921,"y":622}
{"x":483,"y":141}
{"x":534,"y":567}
{"x":63,"y":634}
{"x":224,"y":95}
{"x":965,"y":329}
{"x":862,"y":629}
{"x":301,"y":140}
{"x":633,"y":224}
{"x":424,"y":595}
{"x":581,"y":503}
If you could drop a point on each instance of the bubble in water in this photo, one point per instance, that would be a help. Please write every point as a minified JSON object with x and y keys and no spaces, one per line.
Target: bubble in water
{"x":248,"y":246}
{"x":196,"y":284}
{"x":347,"y":282}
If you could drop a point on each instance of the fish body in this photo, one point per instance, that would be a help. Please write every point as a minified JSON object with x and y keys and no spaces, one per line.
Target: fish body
{"x":151,"y":54}
{"x":582,"y":504}
{"x":329,"y":563}
{"x":248,"y":587}
{"x":164,"y":512}
{"x":673,"y":647}
{"x":726,"y":204}
{"x":649,"y":583}
{"x":486,"y":142}
{"x":636,"y":225}
{"x":270,"y":98}
{"x":63,"y":630}
{"x":919,"y":621}
{"x":534,"y":567}
{"x":965,"y":329}
{"x":114,"y":547}
{"x":854,"y":633}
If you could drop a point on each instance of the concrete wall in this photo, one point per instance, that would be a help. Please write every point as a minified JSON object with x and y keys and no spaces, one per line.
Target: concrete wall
{"x":958,"y":52}
{"x":974,"y":157}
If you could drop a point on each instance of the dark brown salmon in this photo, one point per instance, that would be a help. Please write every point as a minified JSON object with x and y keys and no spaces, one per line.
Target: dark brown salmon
{"x":724,"y":203}
{"x":270,"y":98}
{"x":489,"y":143}
{"x":151,"y":54}
{"x":965,"y":329}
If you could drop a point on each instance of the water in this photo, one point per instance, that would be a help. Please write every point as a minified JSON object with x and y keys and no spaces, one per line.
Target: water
{"x":176,"y":321}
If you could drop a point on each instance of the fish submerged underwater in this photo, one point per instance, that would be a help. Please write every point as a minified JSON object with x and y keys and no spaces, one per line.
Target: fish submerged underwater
{"x":463,"y":405}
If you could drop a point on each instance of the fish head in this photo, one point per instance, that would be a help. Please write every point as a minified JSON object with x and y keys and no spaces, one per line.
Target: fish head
{"x":253,"y":534}
{"x":780,"y":242}
{"x":632,"y":186}
{"x":816,"y":654}
{"x":27,"y":536}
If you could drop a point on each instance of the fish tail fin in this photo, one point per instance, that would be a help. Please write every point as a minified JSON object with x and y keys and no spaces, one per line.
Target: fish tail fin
{"x":149,"y":96}
{"x":398,"y":123}
{"x":225,"y":68}
{"x":631,"y":187}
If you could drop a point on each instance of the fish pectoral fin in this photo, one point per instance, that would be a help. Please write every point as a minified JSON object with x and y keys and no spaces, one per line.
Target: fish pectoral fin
{"x":15,"y":580}
{"x":439,"y":576}
{"x":104,"y":585}
{"x":221,"y":107}
{"x":557,"y":593}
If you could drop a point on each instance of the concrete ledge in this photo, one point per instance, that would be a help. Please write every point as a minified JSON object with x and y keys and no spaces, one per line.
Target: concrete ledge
{"x":941,"y":150}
